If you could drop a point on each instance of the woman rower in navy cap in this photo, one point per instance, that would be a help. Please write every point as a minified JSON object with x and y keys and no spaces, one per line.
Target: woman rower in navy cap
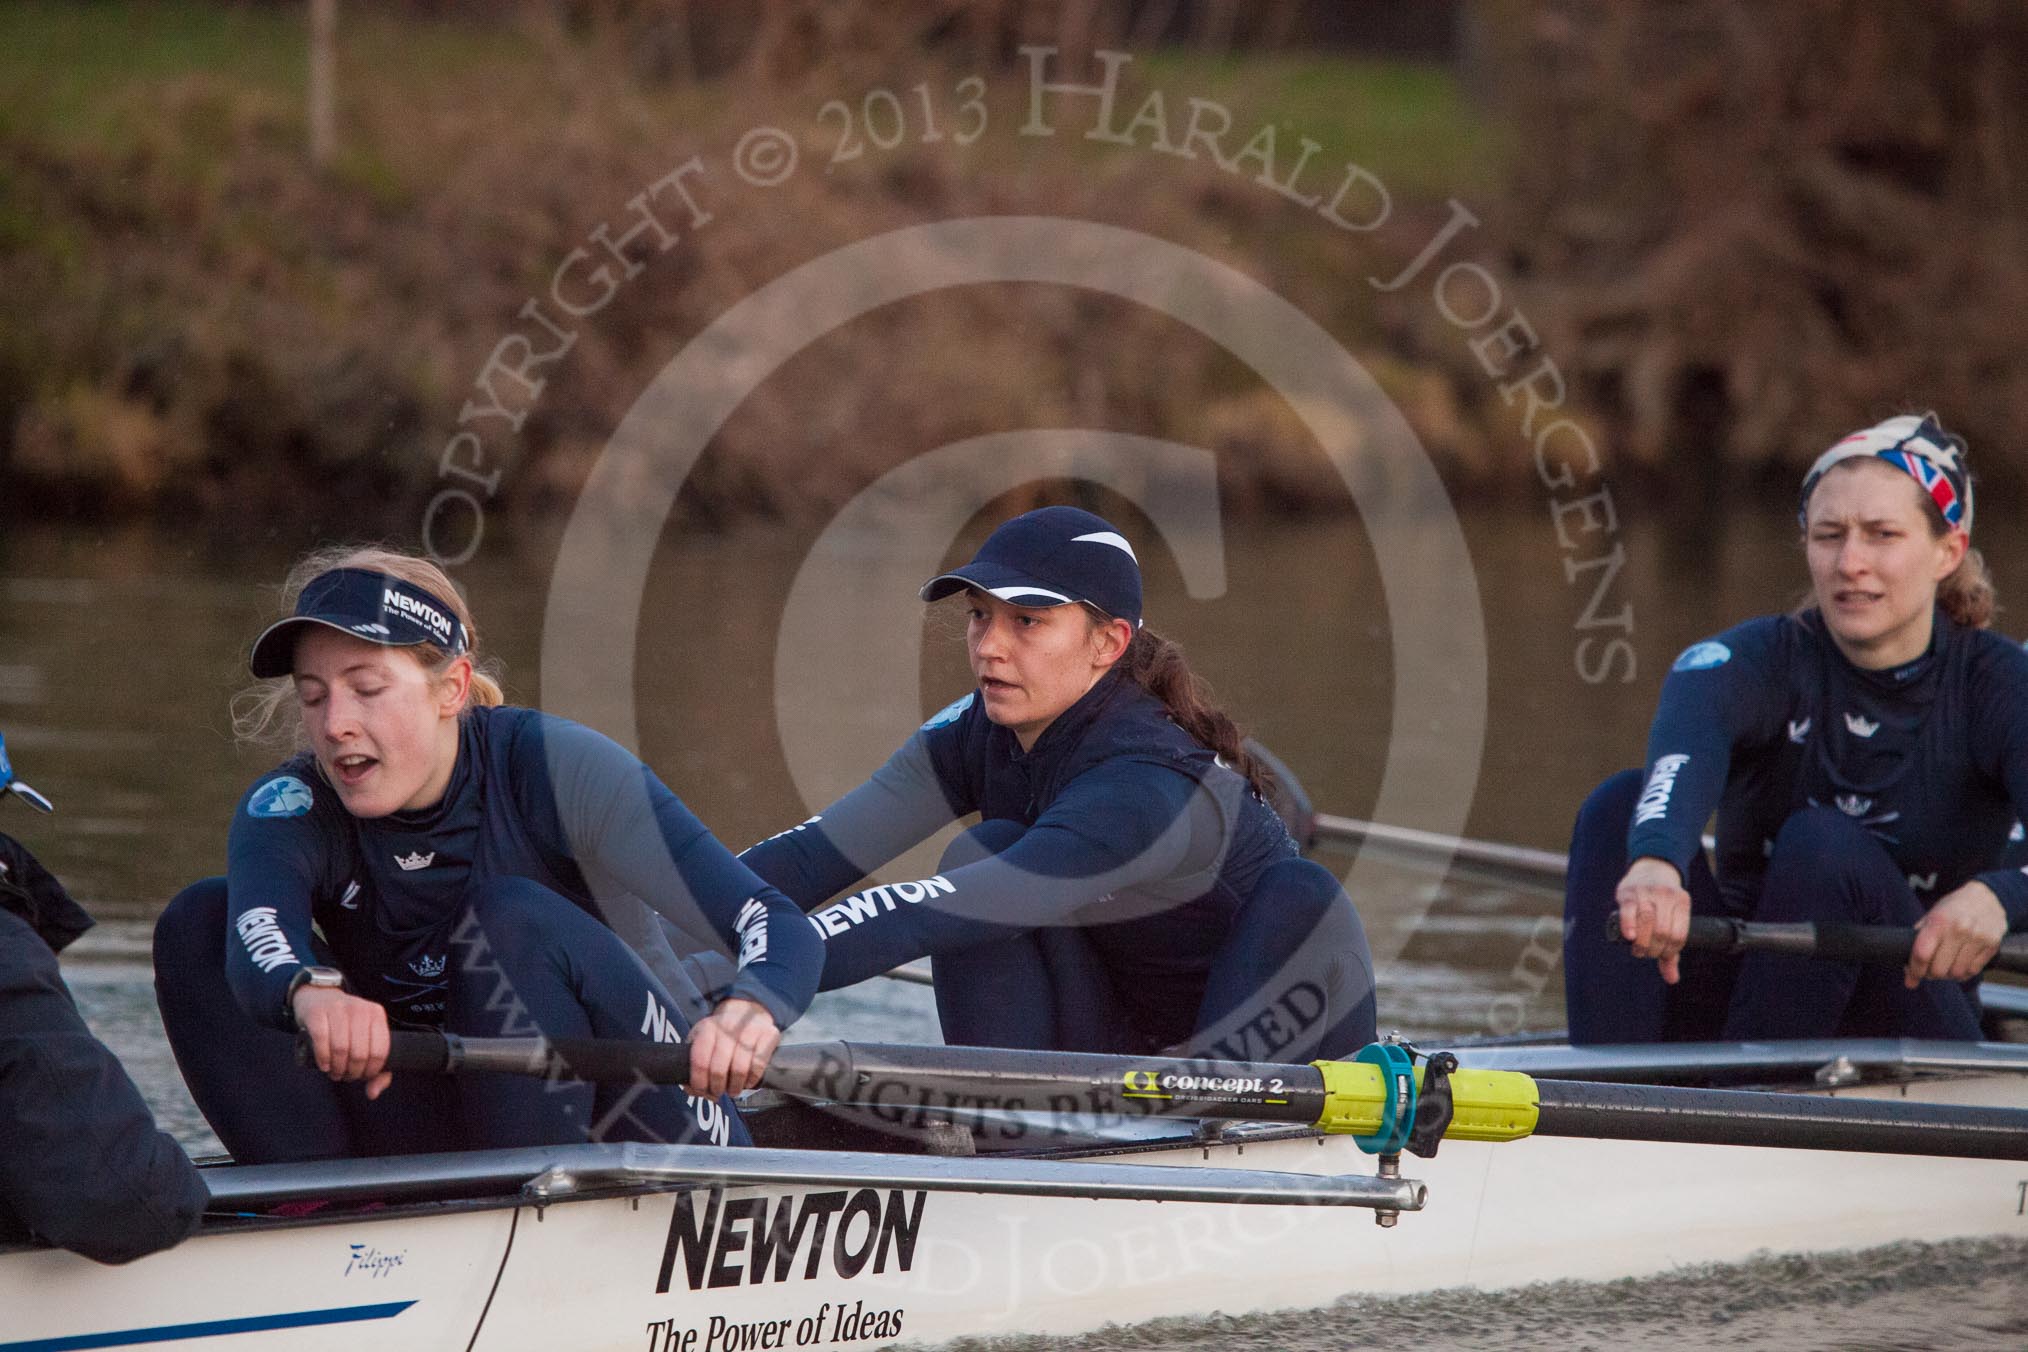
{"x":1866,"y":757}
{"x":465,"y":866}
{"x":1128,"y":887}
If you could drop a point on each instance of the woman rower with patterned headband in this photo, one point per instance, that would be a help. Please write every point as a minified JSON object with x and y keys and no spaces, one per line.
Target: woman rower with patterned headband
{"x":1866,"y":757}
{"x":1128,"y":887}
{"x":457,"y":858}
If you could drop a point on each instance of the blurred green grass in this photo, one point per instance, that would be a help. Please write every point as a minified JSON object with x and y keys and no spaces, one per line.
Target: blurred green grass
{"x":1407,"y":122}
{"x":84,"y":77}
{"x":78,"y":75}
{"x":68,"y":71}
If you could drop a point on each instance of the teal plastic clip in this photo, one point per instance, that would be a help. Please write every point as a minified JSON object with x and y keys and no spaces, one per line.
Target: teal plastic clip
{"x":1397,"y":1113}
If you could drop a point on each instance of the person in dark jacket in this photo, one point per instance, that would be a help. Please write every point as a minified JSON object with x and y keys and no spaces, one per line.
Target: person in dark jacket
{"x":1129,"y":887}
{"x":82,"y":1164}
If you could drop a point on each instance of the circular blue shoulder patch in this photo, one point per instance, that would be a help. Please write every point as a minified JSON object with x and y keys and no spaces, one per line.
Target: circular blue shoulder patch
{"x":283,"y":796}
{"x":1698,"y":656}
{"x":950,"y":713}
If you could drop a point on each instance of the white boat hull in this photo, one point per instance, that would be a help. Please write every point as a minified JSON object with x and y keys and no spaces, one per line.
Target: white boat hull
{"x":927,"y":1267}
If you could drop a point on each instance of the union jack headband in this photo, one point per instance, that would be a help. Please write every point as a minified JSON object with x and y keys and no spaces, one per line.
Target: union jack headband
{"x":1920,"y":448}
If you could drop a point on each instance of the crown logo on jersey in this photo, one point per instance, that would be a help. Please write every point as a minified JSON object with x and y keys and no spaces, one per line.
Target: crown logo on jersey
{"x":427,"y":966}
{"x":1852,"y":805}
{"x":1861,"y":725}
{"x":410,"y":863}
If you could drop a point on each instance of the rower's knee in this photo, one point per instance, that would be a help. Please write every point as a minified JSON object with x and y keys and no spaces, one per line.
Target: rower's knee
{"x":1606,"y":811}
{"x":1294,"y":979}
{"x":1598,"y":855}
{"x":1300,"y":929}
{"x":981,"y":841}
{"x":1823,"y":865}
{"x":1818,"y":834}
{"x":1302,"y":896}
{"x":1820,"y":842}
{"x":517,"y":930}
{"x":190,"y":932}
{"x":516,"y":913}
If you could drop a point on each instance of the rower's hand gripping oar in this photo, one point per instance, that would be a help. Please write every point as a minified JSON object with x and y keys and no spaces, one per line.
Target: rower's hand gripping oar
{"x":9,"y":784}
{"x":1887,"y":945}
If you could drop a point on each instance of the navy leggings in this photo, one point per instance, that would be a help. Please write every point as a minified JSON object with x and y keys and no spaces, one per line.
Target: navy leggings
{"x":1824,"y":867}
{"x":523,"y":960}
{"x":1292,"y":982}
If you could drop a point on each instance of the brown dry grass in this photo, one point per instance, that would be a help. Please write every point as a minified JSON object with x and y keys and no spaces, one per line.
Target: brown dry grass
{"x":205,"y":325}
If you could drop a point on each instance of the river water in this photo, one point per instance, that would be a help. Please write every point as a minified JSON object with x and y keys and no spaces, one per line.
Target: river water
{"x":762,"y":682}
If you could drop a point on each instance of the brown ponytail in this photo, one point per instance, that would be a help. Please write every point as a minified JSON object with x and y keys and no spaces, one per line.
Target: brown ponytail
{"x":1157,"y":666}
{"x":1968,"y":595}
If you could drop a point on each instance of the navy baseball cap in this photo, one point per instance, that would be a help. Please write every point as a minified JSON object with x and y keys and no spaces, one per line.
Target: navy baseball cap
{"x":1053,"y":556}
{"x":377,"y":607}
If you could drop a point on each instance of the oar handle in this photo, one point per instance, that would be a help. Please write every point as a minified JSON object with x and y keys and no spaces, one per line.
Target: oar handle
{"x":420,"y":1050}
{"x":1885,"y":944}
{"x":409,"y":1050}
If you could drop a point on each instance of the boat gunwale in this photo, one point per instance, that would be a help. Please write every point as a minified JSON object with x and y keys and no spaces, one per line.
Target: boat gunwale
{"x":498,"y":1184}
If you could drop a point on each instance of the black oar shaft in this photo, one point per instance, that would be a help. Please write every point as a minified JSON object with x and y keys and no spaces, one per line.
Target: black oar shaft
{"x":1884,"y":944}
{"x":1067,"y":1082}
{"x":1057,"y":1082}
{"x":915,"y":1077}
{"x":563,"y":1059}
{"x":905,"y":1079}
{"x":1639,"y":1112}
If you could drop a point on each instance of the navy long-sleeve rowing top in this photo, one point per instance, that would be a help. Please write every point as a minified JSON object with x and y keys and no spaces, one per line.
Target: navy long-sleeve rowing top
{"x":532,"y":796}
{"x":1135,"y":832}
{"x":1770,"y":717}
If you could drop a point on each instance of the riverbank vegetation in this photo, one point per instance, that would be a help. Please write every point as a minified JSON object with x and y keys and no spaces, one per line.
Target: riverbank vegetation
{"x":199,"y":320}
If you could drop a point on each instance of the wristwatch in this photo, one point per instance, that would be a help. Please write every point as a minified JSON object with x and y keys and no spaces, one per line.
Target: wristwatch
{"x":328,"y":978}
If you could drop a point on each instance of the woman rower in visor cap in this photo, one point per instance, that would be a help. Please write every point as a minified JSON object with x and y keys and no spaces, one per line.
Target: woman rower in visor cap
{"x":433,"y":857}
{"x":1128,"y":887}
